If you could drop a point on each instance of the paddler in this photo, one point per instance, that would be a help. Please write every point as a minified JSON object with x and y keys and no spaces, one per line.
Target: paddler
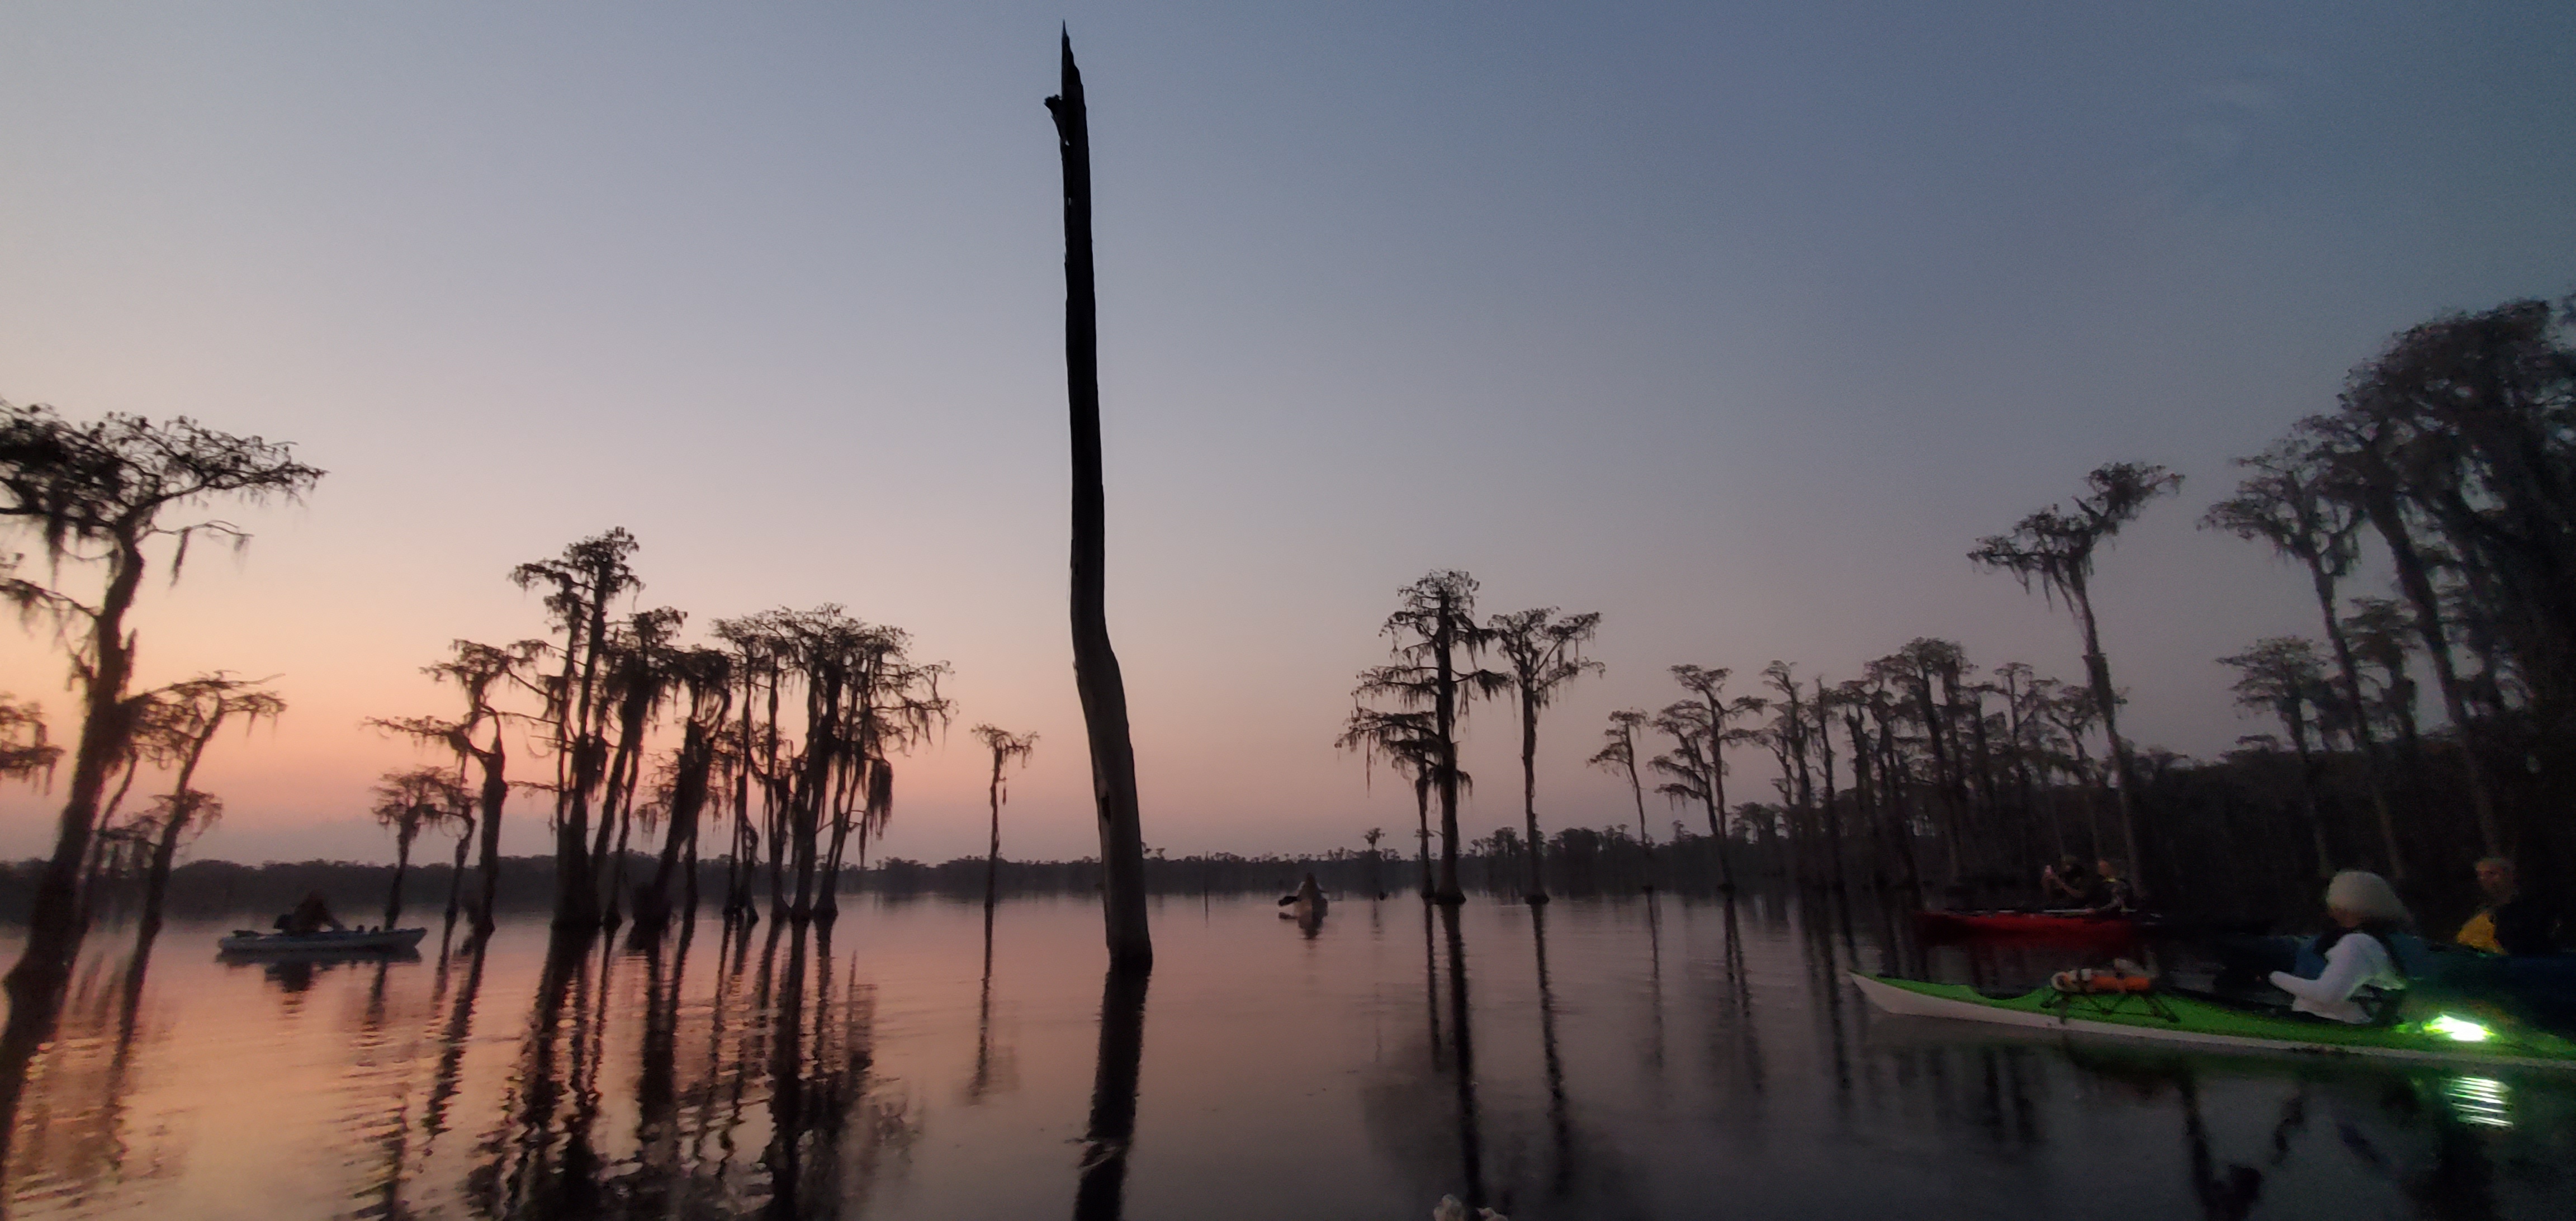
{"x":1310,"y":897}
{"x":2065,"y":884}
{"x":2112,"y":894}
{"x":2511,"y":922}
{"x":310,"y":916}
{"x":2366,"y":912}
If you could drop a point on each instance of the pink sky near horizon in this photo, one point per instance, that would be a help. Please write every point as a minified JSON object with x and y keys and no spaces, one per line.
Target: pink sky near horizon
{"x":1737,"y":330}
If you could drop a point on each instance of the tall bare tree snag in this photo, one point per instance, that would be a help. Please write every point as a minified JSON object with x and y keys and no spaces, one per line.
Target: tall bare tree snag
{"x":1095,"y":664}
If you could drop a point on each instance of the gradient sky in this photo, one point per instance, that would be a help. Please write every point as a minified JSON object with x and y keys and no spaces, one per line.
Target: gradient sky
{"x":1737,"y":323}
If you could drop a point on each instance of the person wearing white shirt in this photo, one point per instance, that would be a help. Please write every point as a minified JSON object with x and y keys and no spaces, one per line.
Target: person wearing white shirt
{"x":2365,"y":910}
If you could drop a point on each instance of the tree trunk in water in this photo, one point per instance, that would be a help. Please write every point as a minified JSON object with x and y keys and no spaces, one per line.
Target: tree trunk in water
{"x":1833,"y":818}
{"x":1444,"y":716}
{"x":1637,"y":790}
{"x":156,"y":884}
{"x":1717,"y":810}
{"x":2097,"y":668}
{"x":1095,"y":663}
{"x":1537,"y":892}
{"x":1422,"y":837}
{"x":688,"y":798}
{"x":2308,"y":793}
{"x":2373,"y":772}
{"x":402,"y":865}
{"x":35,"y":984}
{"x":1931,"y":715}
{"x":993,"y":850}
{"x":495,"y":790}
{"x":456,"y":879}
{"x":2384,"y":514}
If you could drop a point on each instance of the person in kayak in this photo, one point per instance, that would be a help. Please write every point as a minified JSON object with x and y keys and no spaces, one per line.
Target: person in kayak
{"x":2366,"y":912}
{"x":2065,"y":884}
{"x":2511,"y":922}
{"x":2112,"y":893}
{"x":1309,"y":897}
{"x":309,"y":917}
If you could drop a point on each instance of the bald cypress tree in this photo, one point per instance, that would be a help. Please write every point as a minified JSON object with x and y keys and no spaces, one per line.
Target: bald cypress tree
{"x":579,"y":587}
{"x":115,"y":497}
{"x":1436,"y":641}
{"x":1544,"y":653}
{"x":2054,"y":549}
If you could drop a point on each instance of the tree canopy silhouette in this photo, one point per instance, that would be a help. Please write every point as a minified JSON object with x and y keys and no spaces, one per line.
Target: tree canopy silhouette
{"x":1544,"y":653}
{"x":1434,"y":635}
{"x":1006,"y":748}
{"x":2055,"y":549}
{"x":102,"y":496}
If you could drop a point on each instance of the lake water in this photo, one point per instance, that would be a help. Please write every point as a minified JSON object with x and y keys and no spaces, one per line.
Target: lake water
{"x":1624,"y":1059}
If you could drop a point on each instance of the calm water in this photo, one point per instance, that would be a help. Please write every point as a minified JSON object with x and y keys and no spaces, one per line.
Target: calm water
{"x":1622,"y":1060}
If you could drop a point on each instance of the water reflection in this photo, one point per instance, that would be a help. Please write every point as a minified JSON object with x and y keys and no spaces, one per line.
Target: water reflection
{"x":1462,"y":1064}
{"x":996,"y":1068}
{"x":1622,"y":1059}
{"x":1101,"y":1192}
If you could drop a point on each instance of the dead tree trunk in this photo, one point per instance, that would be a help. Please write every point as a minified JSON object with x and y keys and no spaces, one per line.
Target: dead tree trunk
{"x":1095,"y":664}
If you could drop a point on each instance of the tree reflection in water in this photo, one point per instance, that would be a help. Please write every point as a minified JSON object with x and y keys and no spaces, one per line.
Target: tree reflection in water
{"x":651,"y":1080}
{"x":783,"y":1067}
{"x":1100,"y":1194}
{"x":1560,"y":1129}
{"x":1471,"y":1146}
{"x":996,"y":1069}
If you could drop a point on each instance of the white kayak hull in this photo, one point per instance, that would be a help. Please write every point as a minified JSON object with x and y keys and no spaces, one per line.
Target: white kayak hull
{"x":1907,"y":1002}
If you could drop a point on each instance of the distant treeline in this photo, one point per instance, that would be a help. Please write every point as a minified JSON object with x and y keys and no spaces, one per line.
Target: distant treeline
{"x":1591,"y":862}
{"x":356,"y":891}
{"x":2219,"y":826}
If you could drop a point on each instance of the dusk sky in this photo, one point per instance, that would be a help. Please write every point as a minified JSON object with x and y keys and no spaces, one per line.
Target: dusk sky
{"x":1736,"y":323}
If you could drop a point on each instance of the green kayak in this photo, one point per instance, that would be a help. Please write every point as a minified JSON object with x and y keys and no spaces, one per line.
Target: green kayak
{"x":2421,"y":1033}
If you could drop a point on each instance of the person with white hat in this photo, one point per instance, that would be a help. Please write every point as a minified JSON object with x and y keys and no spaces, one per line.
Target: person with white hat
{"x":2366,"y":910}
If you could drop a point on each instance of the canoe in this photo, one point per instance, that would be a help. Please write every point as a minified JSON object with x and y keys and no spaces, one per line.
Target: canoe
{"x":352,"y":941}
{"x":2170,"y":1018}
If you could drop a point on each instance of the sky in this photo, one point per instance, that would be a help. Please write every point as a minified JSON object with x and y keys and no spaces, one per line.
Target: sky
{"x":1738,"y":324}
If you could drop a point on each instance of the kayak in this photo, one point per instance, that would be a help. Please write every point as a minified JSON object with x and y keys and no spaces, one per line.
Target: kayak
{"x":2076,"y":924}
{"x":348,"y":941}
{"x":2171,"y":1018}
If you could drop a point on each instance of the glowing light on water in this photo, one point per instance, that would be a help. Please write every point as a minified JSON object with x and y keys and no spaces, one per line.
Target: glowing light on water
{"x":2458,"y":1029}
{"x":2480,"y":1101}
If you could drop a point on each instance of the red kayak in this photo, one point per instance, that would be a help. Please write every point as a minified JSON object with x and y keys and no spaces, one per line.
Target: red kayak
{"x":2070,"y":925}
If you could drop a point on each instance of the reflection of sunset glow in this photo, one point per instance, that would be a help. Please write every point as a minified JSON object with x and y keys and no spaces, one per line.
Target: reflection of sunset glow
{"x":923,"y":1087}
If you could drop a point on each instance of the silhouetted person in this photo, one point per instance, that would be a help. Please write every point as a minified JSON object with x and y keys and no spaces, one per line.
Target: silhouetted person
{"x":2112,"y":893}
{"x":310,"y":916}
{"x":2066,"y":884}
{"x":2512,"y":922}
{"x":1311,"y":896}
